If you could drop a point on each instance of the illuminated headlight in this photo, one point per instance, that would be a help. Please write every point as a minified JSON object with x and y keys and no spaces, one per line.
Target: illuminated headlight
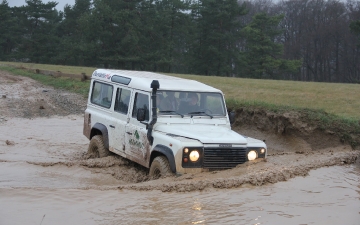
{"x":252,"y":155}
{"x":194,"y":156}
{"x":262,"y":151}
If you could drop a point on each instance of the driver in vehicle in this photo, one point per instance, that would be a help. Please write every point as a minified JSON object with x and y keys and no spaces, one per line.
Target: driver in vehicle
{"x":193,"y":104}
{"x":190,"y":104}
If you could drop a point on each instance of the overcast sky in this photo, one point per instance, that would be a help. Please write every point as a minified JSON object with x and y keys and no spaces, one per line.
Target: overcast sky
{"x":59,"y":6}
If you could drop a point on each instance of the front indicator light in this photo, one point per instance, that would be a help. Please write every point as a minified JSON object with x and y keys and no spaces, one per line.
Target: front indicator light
{"x":194,"y":156}
{"x":252,"y":155}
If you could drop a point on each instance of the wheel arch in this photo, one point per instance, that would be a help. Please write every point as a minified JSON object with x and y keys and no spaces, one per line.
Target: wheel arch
{"x":160,"y":150}
{"x":100,"y":129}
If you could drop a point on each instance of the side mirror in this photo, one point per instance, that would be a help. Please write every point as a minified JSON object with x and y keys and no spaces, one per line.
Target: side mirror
{"x":140,"y":116}
{"x":232,"y":117}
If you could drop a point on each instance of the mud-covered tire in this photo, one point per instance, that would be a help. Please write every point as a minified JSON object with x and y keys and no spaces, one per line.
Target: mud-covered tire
{"x":159,"y":168}
{"x":97,"y":147}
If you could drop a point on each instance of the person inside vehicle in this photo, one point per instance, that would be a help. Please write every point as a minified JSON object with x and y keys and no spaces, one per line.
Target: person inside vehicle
{"x":169,"y":103}
{"x":191,"y":104}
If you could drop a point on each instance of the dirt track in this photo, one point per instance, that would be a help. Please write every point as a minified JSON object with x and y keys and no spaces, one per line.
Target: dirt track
{"x":32,"y":108}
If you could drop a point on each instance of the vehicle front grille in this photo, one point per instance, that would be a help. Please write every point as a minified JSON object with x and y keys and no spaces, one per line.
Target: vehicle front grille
{"x":223,"y":158}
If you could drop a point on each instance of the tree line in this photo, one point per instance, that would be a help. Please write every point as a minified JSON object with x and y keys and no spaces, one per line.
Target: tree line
{"x":305,"y":40}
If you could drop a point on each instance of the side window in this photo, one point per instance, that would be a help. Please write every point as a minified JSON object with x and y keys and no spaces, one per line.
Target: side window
{"x":122,"y":100}
{"x":141,"y":101}
{"x":101,"y":94}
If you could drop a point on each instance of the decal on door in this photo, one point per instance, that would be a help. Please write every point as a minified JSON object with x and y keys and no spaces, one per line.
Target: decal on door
{"x":136,"y":141}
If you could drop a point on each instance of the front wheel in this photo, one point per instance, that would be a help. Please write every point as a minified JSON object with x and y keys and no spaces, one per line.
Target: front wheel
{"x":97,"y":147}
{"x":160,"y":168}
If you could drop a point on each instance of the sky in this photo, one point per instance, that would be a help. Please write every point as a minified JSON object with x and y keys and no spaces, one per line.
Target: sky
{"x":60,"y":6}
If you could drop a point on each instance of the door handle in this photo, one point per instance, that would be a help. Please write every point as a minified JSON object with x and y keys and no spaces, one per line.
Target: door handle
{"x":129,"y":133}
{"x":112,"y":126}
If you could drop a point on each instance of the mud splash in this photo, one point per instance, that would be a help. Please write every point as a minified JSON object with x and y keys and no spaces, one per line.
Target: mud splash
{"x":256,"y":175}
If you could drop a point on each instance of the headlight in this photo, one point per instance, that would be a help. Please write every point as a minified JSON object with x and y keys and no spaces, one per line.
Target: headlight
{"x":252,"y":155}
{"x":262,"y":151}
{"x":194,"y":156}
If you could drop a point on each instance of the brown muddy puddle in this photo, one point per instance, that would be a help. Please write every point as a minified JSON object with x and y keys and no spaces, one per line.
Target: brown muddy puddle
{"x":328,"y":196}
{"x":45,"y":178}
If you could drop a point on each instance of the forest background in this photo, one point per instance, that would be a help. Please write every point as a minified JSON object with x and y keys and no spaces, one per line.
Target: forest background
{"x":304,"y":40}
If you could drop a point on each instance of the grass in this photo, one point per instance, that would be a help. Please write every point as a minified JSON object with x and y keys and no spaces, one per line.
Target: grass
{"x":63,"y":69}
{"x":334,"y":98}
{"x":339,"y":99}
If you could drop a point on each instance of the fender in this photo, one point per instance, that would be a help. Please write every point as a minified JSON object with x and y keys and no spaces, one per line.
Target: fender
{"x":103,"y":129}
{"x":169,"y":155}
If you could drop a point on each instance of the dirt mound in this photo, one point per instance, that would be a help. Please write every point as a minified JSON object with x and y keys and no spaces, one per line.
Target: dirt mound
{"x":24,"y":97}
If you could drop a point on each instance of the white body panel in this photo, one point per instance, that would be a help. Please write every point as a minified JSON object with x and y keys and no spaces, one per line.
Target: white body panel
{"x":174,"y":132}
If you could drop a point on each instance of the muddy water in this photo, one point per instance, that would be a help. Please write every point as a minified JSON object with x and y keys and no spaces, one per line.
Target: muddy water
{"x":327,"y":196}
{"x":45,"y":178}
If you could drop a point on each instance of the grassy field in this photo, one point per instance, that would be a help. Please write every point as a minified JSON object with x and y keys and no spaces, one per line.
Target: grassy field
{"x":339,"y":99}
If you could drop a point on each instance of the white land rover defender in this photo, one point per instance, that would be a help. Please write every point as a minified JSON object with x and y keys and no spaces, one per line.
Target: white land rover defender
{"x":168,"y":124}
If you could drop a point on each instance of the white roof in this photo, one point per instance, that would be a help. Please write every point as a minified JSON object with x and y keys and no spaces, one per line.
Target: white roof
{"x":142,"y":80}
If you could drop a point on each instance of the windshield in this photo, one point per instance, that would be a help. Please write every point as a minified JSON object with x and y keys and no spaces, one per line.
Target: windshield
{"x":186,"y":103}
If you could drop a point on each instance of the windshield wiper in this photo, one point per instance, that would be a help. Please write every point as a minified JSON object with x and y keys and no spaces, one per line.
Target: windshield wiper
{"x":171,"y":111}
{"x":200,"y":112}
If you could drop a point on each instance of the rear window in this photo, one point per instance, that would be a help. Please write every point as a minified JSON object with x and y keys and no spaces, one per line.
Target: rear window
{"x":101,"y":94}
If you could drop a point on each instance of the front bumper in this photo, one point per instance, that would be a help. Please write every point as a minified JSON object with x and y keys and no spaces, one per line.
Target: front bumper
{"x":219,"y":157}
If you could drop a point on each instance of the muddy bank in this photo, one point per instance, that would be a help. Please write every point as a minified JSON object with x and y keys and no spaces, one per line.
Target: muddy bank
{"x":307,"y":126}
{"x":25,"y":98}
{"x":41,"y":129}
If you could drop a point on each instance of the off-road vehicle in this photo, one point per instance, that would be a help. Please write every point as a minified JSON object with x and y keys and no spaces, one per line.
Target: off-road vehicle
{"x":167,"y":124}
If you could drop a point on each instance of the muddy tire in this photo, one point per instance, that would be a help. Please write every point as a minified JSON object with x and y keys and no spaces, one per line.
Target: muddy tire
{"x":160,"y":168}
{"x":97,"y":148}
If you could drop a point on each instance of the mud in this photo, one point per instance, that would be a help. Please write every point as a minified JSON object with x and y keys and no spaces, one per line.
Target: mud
{"x":57,"y":141}
{"x":45,"y":173}
{"x":26,"y":98}
{"x":327,"y":196}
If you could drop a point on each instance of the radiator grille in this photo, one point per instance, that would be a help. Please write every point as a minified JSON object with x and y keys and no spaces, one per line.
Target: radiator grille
{"x":223,"y":158}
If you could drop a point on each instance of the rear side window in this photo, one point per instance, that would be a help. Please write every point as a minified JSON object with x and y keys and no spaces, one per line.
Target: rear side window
{"x":101,"y":94}
{"x":141,"y":101}
{"x":122,"y":100}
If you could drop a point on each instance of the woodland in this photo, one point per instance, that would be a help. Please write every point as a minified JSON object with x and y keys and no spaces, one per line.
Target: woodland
{"x":302,"y":40}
